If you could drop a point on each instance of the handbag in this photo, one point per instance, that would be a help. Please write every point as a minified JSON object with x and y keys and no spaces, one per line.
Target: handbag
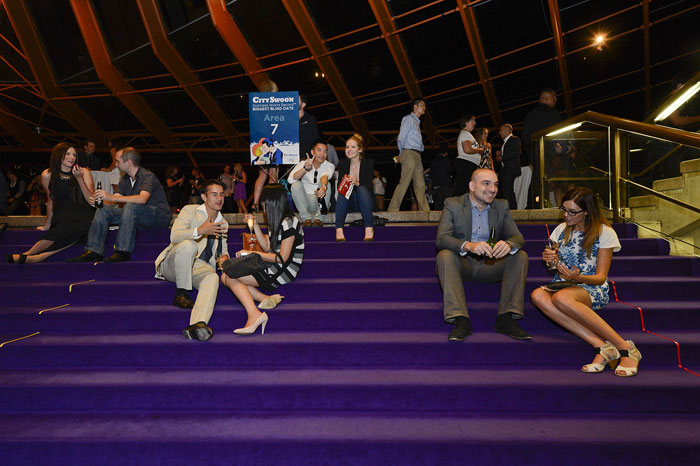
{"x":245,"y":265}
{"x":250,"y":243}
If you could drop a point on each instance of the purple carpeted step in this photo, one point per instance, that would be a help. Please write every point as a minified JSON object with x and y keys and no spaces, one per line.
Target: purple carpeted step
{"x":339,"y":268}
{"x":390,"y":232}
{"x":377,"y":249}
{"x":334,"y":289}
{"x":386,"y":390}
{"x":328,"y":349}
{"x":347,"y":438}
{"x":296,"y":314}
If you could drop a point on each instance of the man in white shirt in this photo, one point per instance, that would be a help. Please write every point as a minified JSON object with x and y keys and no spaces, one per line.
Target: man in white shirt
{"x":197,"y":242}
{"x":308,"y":182}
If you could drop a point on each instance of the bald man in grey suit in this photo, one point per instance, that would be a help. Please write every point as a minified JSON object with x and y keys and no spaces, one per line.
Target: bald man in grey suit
{"x":462,"y":237}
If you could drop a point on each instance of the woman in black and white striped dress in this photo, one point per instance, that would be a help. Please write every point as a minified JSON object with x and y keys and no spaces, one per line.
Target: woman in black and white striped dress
{"x":284,"y":250}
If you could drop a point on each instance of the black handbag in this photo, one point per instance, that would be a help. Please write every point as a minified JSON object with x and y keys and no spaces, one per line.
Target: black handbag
{"x":246,"y":265}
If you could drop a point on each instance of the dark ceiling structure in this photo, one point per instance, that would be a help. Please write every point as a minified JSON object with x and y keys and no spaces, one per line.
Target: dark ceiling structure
{"x":174,"y":76}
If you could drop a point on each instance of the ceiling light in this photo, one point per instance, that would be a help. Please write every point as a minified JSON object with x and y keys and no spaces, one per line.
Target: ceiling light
{"x":564,"y":129}
{"x":683,"y":98}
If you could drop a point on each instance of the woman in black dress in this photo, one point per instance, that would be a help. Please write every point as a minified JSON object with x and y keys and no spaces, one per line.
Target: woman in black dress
{"x":69,"y":188}
{"x":283,"y":247}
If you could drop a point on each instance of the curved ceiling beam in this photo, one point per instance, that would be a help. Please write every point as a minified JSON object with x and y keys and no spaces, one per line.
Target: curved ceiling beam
{"x":398,"y":52}
{"x":18,"y":129}
{"x":558,"y":36}
{"x":171,"y":59}
{"x":236,"y":41}
{"x":112,"y":78}
{"x":477,"y":48}
{"x":25,"y":29}
{"x":299,"y":13}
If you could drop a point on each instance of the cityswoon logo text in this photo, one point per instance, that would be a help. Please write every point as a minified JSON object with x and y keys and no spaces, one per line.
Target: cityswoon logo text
{"x":273,"y":100}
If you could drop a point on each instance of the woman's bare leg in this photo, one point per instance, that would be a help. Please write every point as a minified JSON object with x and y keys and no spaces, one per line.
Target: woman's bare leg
{"x":239,"y":287}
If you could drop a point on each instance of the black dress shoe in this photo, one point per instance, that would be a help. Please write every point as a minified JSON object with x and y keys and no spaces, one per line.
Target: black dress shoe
{"x":199,"y":331}
{"x":462,"y":329}
{"x":506,"y":325}
{"x":183,"y":301}
{"x":87,"y":256}
{"x":119,"y":256}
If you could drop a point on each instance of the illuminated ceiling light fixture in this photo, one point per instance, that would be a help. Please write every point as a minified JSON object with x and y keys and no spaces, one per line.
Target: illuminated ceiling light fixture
{"x":564,"y":129}
{"x":599,"y":41}
{"x":683,"y":98}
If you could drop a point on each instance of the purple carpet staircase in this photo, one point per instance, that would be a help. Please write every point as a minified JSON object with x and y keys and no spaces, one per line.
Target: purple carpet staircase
{"x":354,"y":368}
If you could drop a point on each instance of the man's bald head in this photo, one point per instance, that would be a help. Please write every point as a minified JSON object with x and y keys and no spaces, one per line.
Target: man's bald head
{"x":548,"y":97}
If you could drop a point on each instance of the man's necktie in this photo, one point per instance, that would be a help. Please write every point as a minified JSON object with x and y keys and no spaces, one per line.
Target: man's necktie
{"x":206,"y":254}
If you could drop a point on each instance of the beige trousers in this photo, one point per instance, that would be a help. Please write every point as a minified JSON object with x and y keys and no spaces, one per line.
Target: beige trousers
{"x":181,"y":267}
{"x":411,"y":170}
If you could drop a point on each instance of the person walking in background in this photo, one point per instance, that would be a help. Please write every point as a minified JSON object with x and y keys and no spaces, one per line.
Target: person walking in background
{"x":468,"y":154}
{"x":240,"y":193}
{"x":196,"y":180}
{"x":583,"y":247}
{"x":379,"y":187}
{"x":510,"y":165}
{"x":544,"y":115}
{"x":227,"y":179}
{"x":441,"y":174}
{"x":174,"y":186}
{"x":69,"y":216}
{"x":481,"y":137}
{"x":410,"y":144}
{"x":16,"y":190}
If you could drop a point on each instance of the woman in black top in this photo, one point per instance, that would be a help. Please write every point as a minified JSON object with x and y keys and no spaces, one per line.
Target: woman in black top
{"x":359,"y":169}
{"x":69,"y":215}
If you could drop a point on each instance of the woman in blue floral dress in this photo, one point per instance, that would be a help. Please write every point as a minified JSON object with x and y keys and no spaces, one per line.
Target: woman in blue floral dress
{"x":583,"y":248}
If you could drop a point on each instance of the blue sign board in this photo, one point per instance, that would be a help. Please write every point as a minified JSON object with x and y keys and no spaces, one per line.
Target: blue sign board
{"x":274,"y":128}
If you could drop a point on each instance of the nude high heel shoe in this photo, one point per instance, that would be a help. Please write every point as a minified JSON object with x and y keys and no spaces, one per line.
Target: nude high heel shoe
{"x":270,"y":302}
{"x":251,"y":329}
{"x":609,"y":353}
{"x":631,"y":352}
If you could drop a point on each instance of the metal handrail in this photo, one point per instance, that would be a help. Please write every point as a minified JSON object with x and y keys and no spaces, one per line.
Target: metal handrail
{"x":615,"y":126}
{"x":632,"y":126}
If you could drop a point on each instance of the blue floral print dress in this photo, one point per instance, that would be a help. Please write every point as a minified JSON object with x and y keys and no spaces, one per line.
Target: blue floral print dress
{"x":573,"y":254}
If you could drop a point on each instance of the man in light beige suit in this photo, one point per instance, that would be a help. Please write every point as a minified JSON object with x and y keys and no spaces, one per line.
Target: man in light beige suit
{"x":197,"y":240}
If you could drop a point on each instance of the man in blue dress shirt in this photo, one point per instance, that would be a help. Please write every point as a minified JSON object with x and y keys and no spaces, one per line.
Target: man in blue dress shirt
{"x":465,"y":255}
{"x":410,"y":143}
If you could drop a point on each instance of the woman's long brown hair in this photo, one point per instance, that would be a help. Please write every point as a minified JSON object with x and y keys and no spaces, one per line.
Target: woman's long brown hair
{"x":586,"y":199}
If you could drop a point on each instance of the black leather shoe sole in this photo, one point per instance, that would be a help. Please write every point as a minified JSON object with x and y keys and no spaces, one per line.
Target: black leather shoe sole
{"x":518,"y":334}
{"x":199,"y":331}
{"x":183,"y":302}
{"x":87,"y":256}
{"x":462,"y":329}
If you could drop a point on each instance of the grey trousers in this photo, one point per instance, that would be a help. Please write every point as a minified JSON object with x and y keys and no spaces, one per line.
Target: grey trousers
{"x":453,"y":269}
{"x":181,"y":267}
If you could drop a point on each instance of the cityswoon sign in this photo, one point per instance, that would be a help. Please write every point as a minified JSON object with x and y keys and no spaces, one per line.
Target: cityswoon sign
{"x":274,"y":128}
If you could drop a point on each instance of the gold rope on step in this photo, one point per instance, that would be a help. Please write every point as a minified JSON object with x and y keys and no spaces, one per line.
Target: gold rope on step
{"x":18,"y":339}
{"x":70,"y":287}
{"x":52,"y":308}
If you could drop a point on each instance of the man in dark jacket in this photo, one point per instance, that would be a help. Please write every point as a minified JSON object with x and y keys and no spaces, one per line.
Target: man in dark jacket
{"x":541,"y":117}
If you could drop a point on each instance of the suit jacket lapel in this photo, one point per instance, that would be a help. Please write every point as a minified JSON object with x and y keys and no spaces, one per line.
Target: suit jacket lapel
{"x":199,"y":218}
{"x":467,"y":206}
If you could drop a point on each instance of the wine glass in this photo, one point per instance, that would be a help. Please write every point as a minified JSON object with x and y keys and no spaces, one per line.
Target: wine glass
{"x":550,"y":245}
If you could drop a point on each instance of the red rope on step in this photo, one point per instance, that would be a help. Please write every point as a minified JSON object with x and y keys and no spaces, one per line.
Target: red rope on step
{"x":641,"y":317}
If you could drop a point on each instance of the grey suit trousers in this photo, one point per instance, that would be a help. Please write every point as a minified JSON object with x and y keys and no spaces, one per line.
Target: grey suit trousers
{"x":181,"y":267}
{"x":453,"y":269}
